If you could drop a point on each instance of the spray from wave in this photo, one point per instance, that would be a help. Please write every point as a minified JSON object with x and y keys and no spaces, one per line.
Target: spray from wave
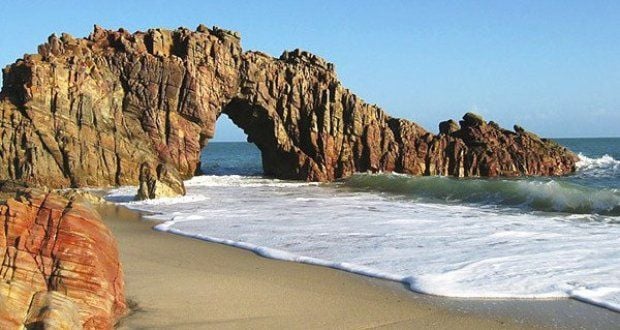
{"x":603,"y":167}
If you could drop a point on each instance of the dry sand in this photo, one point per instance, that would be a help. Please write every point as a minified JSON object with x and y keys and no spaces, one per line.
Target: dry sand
{"x":182,"y":283}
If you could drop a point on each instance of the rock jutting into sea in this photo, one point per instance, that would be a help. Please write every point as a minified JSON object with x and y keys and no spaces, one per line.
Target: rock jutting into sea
{"x":60,"y":266}
{"x":90,"y":111}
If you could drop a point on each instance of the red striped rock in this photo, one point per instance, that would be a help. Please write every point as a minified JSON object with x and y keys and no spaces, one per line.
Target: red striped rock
{"x":60,"y":267}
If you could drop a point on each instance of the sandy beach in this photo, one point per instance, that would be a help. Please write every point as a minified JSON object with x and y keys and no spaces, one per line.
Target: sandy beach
{"x":176,"y":282}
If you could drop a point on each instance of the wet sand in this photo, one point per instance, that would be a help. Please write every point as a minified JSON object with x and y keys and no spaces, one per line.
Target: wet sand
{"x":175,"y":282}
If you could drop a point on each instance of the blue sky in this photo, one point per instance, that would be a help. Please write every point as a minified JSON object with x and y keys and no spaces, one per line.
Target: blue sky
{"x":551,"y":66}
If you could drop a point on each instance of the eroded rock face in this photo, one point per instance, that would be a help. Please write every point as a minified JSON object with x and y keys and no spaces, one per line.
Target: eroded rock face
{"x":60,"y":267}
{"x":89,"y":112}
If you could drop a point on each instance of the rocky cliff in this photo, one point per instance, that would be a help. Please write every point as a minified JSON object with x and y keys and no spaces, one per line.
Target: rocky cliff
{"x":60,"y":267}
{"x":89,"y":112}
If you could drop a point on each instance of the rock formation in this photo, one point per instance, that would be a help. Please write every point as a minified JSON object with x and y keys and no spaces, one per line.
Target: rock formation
{"x":60,"y":267}
{"x":164,"y":183}
{"x":89,"y":112}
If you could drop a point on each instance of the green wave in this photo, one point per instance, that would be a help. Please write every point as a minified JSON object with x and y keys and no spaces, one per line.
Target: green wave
{"x":530,"y":194}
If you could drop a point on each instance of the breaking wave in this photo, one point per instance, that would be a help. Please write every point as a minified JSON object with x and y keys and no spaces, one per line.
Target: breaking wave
{"x":530,"y":194}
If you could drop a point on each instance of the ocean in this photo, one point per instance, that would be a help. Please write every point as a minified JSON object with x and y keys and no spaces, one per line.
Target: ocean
{"x":478,"y":238}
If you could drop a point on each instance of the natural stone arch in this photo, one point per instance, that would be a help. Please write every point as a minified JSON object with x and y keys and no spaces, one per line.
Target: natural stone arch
{"x":89,"y":112}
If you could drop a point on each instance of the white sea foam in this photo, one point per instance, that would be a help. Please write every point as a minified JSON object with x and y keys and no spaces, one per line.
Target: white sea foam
{"x":242,"y":181}
{"x":443,"y":249}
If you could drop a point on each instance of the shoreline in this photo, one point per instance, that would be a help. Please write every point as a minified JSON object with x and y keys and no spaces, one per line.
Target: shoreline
{"x":180,"y":282}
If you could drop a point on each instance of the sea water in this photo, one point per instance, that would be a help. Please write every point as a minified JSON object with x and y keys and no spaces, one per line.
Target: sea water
{"x":496,"y":238}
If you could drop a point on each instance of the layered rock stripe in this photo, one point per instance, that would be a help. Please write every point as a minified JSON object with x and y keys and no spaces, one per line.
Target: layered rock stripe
{"x":60,"y":267}
{"x":90,"y":111}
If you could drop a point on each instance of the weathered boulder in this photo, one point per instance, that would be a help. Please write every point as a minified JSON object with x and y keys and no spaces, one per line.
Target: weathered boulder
{"x":60,"y":266}
{"x":89,"y":111}
{"x":164,"y":183}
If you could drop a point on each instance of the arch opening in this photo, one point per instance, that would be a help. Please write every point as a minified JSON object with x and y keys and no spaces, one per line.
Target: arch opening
{"x":230,"y":153}
{"x":264,"y":128}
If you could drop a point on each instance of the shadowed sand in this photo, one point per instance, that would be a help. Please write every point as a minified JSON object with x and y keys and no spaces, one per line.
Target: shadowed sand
{"x":177,"y":282}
